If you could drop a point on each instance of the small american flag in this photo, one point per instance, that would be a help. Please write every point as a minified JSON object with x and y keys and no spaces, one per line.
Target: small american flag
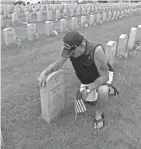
{"x":79,"y":104}
{"x":125,"y":54}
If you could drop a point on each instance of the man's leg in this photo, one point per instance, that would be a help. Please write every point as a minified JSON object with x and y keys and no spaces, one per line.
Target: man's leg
{"x":102,"y":100}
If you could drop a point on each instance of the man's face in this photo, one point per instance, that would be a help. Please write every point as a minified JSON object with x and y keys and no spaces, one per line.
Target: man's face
{"x":79,"y":50}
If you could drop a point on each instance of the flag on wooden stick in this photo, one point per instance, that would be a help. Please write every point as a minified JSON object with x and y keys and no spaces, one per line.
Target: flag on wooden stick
{"x":79,"y":104}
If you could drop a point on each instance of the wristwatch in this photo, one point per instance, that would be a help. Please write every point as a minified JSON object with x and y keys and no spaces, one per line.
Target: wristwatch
{"x":88,"y":89}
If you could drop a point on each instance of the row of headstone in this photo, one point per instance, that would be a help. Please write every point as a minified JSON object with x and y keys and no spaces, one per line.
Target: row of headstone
{"x":71,"y":10}
{"x":41,"y":7}
{"x":124,"y":45}
{"x":10,"y":34}
{"x":109,"y":15}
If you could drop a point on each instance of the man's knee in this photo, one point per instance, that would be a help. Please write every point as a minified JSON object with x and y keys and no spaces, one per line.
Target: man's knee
{"x":103,"y":91}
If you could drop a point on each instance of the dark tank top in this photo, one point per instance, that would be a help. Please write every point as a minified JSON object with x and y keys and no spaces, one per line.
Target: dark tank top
{"x":84,"y":66}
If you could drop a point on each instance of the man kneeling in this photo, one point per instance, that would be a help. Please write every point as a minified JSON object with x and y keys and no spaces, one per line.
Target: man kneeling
{"x":91,"y":68}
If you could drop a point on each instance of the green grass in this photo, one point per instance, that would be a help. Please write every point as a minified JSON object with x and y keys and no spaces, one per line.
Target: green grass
{"x":22,"y":124}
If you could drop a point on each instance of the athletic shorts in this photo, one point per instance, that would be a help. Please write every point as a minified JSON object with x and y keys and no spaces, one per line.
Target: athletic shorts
{"x":93,"y":95}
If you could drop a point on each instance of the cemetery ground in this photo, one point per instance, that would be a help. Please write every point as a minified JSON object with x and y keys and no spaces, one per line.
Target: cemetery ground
{"x":22,"y":124}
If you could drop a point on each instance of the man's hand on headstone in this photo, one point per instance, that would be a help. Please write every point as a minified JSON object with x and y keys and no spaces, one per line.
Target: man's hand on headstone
{"x":42,"y":79}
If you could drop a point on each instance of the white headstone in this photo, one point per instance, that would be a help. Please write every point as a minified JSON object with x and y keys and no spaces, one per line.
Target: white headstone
{"x":111,"y":51}
{"x":114,"y":15}
{"x":74,"y":23}
{"x":83,"y":12}
{"x":122,"y":44}
{"x":138,"y":35}
{"x":39,"y":16}
{"x":91,"y":21}
{"x":53,"y":96}
{"x":109,"y":15}
{"x":88,"y":10}
{"x":98,"y":19}
{"x":14,"y":18}
{"x":49,"y":28}
{"x":132,"y":38}
{"x":42,"y":8}
{"x":33,"y":10}
{"x":49,"y":15}
{"x":78,"y":11}
{"x":9,"y":36}
{"x":63,"y":25}
{"x":1,"y":19}
{"x":58,"y":15}
{"x":118,"y":14}
{"x":121,"y":14}
{"x":125,"y":13}
{"x":71,"y":12}
{"x":104,"y":17}
{"x":83,"y":21}
{"x":6,"y":13}
{"x":31,"y":31}
{"x":65,"y":13}
{"x":16,"y":10}
{"x":28,"y":17}
{"x":26,"y":9}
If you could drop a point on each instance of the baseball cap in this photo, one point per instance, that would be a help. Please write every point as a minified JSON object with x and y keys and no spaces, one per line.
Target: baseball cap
{"x":71,"y":41}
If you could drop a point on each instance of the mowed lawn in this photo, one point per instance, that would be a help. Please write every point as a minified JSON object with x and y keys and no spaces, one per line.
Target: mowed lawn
{"x":22,"y":124}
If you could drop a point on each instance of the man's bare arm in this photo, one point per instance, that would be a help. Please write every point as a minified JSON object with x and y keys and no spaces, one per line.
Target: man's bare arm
{"x":56,"y":65}
{"x":102,"y":67}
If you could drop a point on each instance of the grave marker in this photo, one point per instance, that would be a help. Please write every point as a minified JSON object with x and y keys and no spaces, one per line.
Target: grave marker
{"x":132,"y":38}
{"x":28,"y":17}
{"x":49,"y":15}
{"x":9,"y":36}
{"x":121,"y":14}
{"x":1,"y":19}
{"x":104,"y":17}
{"x":58,"y":15}
{"x":33,"y":10}
{"x":6,"y":13}
{"x":49,"y":28}
{"x":83,"y":21}
{"x":71,"y":12}
{"x":138,"y":35}
{"x":98,"y":19}
{"x":53,"y":96}
{"x":31,"y":31}
{"x":63,"y":25}
{"x":114,"y":15}
{"x":91,"y":21}
{"x":74,"y":23}
{"x":14,"y":18}
{"x":78,"y":11}
{"x":111,"y":51}
{"x":39,"y":16}
{"x":65,"y":13}
{"x":109,"y":15}
{"x":122,"y":44}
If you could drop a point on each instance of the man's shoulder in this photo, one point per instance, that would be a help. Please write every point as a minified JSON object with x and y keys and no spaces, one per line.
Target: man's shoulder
{"x":92,"y":48}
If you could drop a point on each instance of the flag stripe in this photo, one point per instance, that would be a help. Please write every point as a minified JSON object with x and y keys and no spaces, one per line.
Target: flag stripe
{"x":84,"y":106}
{"x":80,"y":106}
{"x":79,"y":103}
{"x":78,"y":109}
{"x":82,"y":103}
